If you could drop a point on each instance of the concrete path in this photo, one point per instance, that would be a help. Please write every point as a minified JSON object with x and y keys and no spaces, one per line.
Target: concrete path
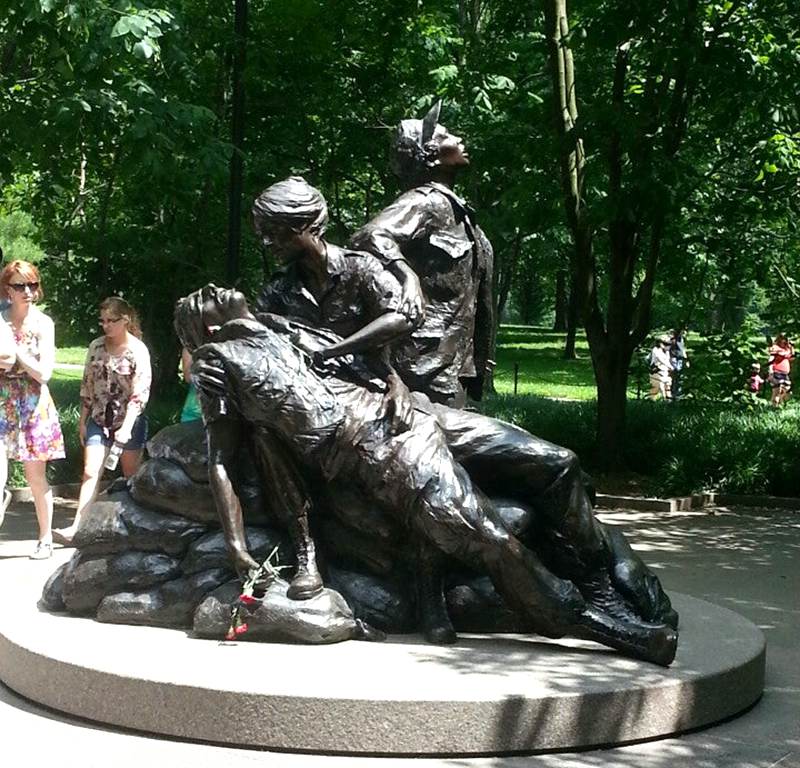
{"x":745,"y":560}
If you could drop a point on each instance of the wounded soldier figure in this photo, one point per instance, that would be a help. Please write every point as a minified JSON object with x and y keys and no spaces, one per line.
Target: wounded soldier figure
{"x":333,"y":424}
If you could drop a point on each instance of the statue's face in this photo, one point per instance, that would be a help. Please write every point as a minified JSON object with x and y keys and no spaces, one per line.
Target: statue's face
{"x":287,"y":244}
{"x":452,"y":152}
{"x":220,"y":305}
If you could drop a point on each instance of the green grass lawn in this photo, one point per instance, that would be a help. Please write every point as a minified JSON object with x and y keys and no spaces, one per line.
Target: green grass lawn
{"x":538,"y":353}
{"x":68,"y":374}
{"x":543,"y":371}
{"x":72,"y":355}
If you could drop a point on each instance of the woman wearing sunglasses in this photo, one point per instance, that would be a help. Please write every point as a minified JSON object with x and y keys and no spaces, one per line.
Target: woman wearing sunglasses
{"x":114,"y":392}
{"x":29,"y":427}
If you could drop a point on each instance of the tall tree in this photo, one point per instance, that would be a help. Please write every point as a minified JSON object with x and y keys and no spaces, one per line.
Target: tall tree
{"x":650,"y":69}
{"x":237,"y":139}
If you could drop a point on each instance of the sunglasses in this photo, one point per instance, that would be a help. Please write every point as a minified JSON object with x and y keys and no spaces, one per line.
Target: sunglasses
{"x":109,"y":320}
{"x":32,"y":287}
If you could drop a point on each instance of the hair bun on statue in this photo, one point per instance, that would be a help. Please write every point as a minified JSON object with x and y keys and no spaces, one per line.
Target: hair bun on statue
{"x":294,"y":203}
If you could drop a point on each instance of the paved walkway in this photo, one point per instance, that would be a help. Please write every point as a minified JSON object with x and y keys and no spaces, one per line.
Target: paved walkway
{"x":745,"y":560}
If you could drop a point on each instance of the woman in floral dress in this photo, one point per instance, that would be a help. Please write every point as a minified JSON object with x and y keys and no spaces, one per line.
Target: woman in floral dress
{"x":8,"y":356}
{"x":114,"y":392}
{"x":29,"y":427}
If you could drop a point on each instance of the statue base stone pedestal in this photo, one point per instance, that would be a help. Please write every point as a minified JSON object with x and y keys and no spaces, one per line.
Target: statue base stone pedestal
{"x":486,"y":695}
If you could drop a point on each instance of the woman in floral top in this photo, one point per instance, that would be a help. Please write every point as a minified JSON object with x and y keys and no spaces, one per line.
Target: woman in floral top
{"x":114,"y":392}
{"x":29,"y":428}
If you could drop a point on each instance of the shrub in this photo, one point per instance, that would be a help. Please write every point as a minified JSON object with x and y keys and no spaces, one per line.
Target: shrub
{"x":682,"y":448}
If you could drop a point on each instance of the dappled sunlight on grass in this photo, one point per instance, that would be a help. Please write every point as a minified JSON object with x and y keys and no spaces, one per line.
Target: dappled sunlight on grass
{"x":71,"y":355}
{"x":543,"y":371}
{"x":538,"y":353}
{"x":67,"y":374}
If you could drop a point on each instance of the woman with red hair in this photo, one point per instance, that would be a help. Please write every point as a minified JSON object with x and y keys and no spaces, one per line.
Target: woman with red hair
{"x":29,"y":427}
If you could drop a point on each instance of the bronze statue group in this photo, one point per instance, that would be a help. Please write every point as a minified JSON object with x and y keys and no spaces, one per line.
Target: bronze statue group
{"x":352,"y":368}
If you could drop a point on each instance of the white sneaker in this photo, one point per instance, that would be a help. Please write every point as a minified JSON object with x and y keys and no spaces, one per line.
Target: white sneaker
{"x":44,"y":549}
{"x":4,"y":505}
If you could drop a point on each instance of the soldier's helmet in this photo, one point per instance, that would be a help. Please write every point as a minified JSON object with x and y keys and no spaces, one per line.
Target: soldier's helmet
{"x":413,"y":149}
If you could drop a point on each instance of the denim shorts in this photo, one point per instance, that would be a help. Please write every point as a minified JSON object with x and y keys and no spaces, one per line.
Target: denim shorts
{"x":96,"y":436}
{"x":781,"y":380}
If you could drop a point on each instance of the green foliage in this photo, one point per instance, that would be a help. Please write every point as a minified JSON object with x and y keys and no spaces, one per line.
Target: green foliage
{"x":737,"y":451}
{"x":721,"y":365}
{"x":679,"y":449}
{"x":18,"y":237}
{"x":570,"y":424}
{"x":115,"y":141}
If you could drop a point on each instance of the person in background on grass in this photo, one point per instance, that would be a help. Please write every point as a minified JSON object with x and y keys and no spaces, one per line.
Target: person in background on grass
{"x":781,"y":353}
{"x":29,"y":428}
{"x":191,"y":407}
{"x":114,"y":392}
{"x":660,"y":368}
{"x":678,"y":360}
{"x":755,"y":382}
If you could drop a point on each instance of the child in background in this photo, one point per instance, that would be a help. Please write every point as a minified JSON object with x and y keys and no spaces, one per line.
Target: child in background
{"x":755,"y":382}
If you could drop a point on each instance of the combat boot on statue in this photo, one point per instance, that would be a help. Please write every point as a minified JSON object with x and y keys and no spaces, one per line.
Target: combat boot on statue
{"x":434,"y":620}
{"x":655,"y":643}
{"x":306,"y":582}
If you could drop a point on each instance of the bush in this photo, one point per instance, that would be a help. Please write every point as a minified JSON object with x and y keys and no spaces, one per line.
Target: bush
{"x":567,"y":423}
{"x":18,"y":236}
{"x":683,"y":448}
{"x":737,"y":451}
{"x":721,"y":365}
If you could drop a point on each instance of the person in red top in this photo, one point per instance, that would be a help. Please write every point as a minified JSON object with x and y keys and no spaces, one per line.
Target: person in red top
{"x":780,"y":359}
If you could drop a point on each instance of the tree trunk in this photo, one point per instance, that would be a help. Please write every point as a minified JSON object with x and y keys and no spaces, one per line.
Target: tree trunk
{"x":611,"y":374}
{"x":560,"y":322}
{"x":505,"y":275}
{"x":102,"y":226}
{"x":573,"y":314}
{"x":525,"y":301}
{"x":237,"y":139}
{"x":7,"y":56}
{"x":606,"y":343}
{"x":637,"y":225}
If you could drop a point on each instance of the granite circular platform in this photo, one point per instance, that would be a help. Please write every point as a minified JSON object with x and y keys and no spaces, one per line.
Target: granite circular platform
{"x":485,"y":695}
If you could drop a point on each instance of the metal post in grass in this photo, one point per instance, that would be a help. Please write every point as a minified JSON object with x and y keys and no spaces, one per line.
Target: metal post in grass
{"x":516,"y":376}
